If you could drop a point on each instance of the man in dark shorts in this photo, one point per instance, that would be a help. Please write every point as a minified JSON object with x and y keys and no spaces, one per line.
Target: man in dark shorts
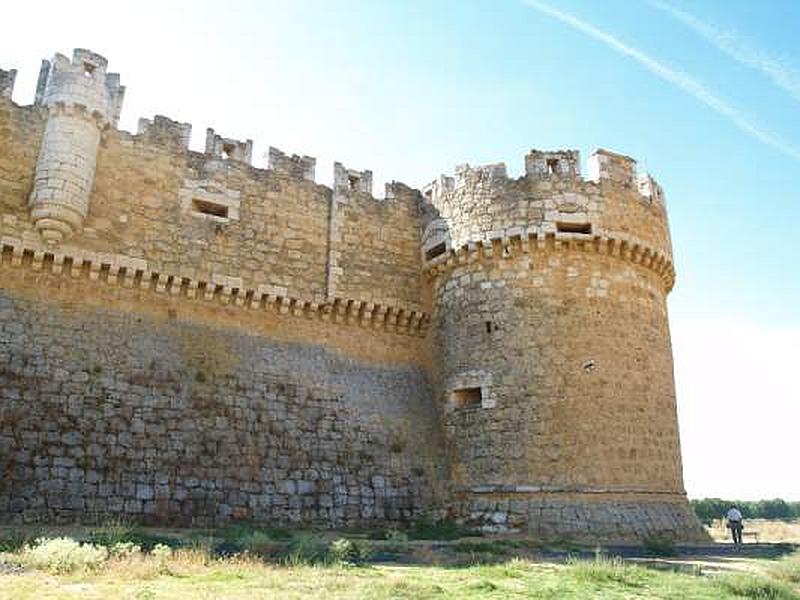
{"x":734,"y":517}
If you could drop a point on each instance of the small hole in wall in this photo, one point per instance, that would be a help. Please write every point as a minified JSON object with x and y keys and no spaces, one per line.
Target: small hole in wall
{"x":437,"y":250}
{"x":491,"y":326}
{"x":467,"y":397}
{"x":589,"y":366}
{"x":210,"y":208}
{"x":88,"y":69}
{"x":574,"y":227}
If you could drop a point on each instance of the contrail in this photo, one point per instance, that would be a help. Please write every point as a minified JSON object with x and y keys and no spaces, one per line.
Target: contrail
{"x":781,"y":74}
{"x":679,"y":79}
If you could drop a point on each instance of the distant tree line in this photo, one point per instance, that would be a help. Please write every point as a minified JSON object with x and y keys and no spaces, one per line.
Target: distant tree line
{"x":709,"y":509}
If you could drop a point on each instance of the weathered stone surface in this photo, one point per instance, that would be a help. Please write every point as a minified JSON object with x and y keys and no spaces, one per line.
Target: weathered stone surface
{"x":185,"y":338}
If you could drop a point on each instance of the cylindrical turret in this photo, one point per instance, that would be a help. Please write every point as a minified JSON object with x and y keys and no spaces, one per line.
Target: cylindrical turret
{"x":554,"y":366}
{"x":81,"y":99}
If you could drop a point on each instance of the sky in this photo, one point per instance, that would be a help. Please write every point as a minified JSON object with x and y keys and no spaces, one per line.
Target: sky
{"x":705,"y":94}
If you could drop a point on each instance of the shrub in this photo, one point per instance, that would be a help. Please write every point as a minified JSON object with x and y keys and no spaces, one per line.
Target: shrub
{"x":226,"y":549}
{"x":258,"y":541}
{"x":63,"y":555}
{"x":162,"y":553}
{"x":112,"y":533}
{"x":494,"y":547}
{"x":659,"y":546}
{"x":428,"y":529}
{"x":124,"y":550}
{"x":345,"y":551}
{"x":16,"y":539}
{"x":397,"y":541}
{"x":305,"y":549}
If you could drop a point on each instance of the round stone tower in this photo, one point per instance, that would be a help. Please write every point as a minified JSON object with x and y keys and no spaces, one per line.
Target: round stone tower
{"x":82,"y":99}
{"x":553,"y":363}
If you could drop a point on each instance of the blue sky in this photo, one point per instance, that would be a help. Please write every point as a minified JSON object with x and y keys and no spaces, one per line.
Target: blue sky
{"x":706,"y":95}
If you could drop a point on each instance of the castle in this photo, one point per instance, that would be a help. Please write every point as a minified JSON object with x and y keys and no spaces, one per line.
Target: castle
{"x":187,"y":338}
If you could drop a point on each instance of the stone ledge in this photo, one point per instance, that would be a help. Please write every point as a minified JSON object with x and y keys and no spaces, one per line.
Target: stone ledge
{"x":535,"y":489}
{"x":517,"y":241}
{"x":115,"y":269}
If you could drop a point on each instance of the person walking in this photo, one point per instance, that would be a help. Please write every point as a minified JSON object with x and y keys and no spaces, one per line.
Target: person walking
{"x":734,"y":517}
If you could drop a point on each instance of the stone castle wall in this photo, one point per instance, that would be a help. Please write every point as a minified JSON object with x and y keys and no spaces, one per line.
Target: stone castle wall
{"x":217,"y":341}
{"x":131,"y":404}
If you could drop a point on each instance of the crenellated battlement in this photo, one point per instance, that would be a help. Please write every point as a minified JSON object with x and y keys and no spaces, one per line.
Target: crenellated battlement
{"x":301,"y":167}
{"x":347,"y":181}
{"x":557,"y":163}
{"x":7,"y":79}
{"x":163,"y":131}
{"x":482,"y":206}
{"x":83,"y":81}
{"x":228,"y":148}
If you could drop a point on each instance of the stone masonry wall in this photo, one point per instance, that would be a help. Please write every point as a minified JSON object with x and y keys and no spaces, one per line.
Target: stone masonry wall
{"x":141,"y":208}
{"x":164,"y":415}
{"x":570,"y":344}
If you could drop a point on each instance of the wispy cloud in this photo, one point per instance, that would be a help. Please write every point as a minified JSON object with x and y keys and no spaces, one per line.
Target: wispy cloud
{"x":782,"y":74}
{"x":679,"y":79}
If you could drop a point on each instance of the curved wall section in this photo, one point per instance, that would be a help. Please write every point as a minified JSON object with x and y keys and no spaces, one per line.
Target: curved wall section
{"x":553,"y":359}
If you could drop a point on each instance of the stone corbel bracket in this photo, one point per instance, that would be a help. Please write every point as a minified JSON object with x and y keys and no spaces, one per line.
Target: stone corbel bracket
{"x":118,"y":270}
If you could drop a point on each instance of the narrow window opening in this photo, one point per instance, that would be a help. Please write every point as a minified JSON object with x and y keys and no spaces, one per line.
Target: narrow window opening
{"x":88,"y":69}
{"x":574,"y":227}
{"x":210,"y":208}
{"x":352,"y":181}
{"x":437,"y":250}
{"x":490,"y":327}
{"x":552,"y":166}
{"x":227,"y":151}
{"x":467,"y":397}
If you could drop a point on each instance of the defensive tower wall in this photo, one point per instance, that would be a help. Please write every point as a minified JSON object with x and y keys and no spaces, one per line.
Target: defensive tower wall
{"x":552,"y":361}
{"x":186,"y":337}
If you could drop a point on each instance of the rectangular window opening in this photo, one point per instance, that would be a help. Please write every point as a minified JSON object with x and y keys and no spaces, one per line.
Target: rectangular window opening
{"x":574,"y":227}
{"x":210,"y":208}
{"x":227,"y":151}
{"x":552,"y":166}
{"x":437,"y":250}
{"x":467,"y":397}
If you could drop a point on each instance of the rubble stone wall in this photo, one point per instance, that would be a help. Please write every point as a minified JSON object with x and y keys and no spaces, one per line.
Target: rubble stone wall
{"x":168,"y":414}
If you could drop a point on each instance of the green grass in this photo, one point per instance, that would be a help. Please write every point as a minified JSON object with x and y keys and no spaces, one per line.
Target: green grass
{"x":187,"y":573}
{"x":428,"y":529}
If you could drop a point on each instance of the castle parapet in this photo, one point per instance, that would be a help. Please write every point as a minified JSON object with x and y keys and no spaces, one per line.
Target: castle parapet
{"x":492,"y":173}
{"x":437,"y":188}
{"x":650,"y":189}
{"x":610,"y":166}
{"x":560,"y":163}
{"x":350,"y":180}
{"x":228,"y":148}
{"x":302,"y":167}
{"x":7,"y":79}
{"x":163,"y":131}
{"x":83,"y":82}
